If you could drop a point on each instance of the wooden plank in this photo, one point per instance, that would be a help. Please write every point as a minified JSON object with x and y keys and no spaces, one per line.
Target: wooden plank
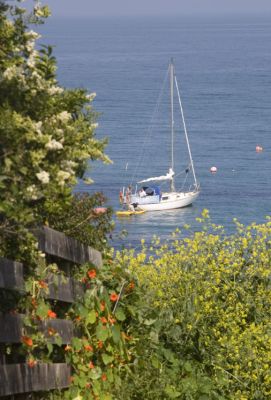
{"x":62,"y":327}
{"x":58,"y":244}
{"x":64,"y":289}
{"x":12,"y":328}
{"x":20,"y":378}
{"x":11,"y":274}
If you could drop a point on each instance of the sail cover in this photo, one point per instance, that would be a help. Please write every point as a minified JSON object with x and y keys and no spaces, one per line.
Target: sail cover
{"x":166,"y":177}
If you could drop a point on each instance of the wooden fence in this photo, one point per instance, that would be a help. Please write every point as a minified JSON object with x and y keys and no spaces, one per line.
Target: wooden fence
{"x":17,"y":379}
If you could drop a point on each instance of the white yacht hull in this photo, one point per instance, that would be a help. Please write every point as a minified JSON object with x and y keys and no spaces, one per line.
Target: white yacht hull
{"x":169,"y":201}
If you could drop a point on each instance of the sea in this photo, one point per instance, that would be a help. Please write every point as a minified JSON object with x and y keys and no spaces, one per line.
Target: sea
{"x":223,"y":65}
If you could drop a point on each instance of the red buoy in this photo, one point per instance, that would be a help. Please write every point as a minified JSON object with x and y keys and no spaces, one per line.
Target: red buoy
{"x":213,"y":170}
{"x":259,"y":149}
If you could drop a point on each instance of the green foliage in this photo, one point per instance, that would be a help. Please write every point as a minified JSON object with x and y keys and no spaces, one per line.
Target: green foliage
{"x":47,"y":133}
{"x":81,"y":219}
{"x":211,"y":296}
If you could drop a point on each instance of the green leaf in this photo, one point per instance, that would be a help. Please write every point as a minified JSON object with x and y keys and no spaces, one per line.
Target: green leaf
{"x":58,"y":341}
{"x":107,"y":359}
{"x":42,"y":310}
{"x":83,"y":311}
{"x":106,"y":396}
{"x":91,"y":318}
{"x":110,"y":376}
{"x":149,"y":322}
{"x":102,"y":332}
{"x":172,"y":392}
{"x":120,"y":314}
{"x":115,"y":329}
{"x":95,"y":373}
{"x":155,"y":362}
{"x":76,"y":344}
{"x":49,"y":348}
{"x":132,"y":310}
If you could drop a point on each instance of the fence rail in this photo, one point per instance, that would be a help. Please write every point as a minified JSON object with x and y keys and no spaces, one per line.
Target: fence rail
{"x":18,"y":378}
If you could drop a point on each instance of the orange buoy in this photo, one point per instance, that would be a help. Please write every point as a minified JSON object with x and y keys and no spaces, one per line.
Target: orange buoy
{"x":259,"y":149}
{"x":213,"y":170}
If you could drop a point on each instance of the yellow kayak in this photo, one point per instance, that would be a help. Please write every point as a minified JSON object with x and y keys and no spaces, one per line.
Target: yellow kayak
{"x":127,"y":213}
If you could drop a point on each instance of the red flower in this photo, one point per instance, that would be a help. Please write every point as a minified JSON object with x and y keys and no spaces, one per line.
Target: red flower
{"x":51,"y":331}
{"x":88,"y":348}
{"x":51,"y":314}
{"x":31,"y":362}
{"x":91,"y":365}
{"x":43,"y":284}
{"x":102,"y":306}
{"x":104,"y":377}
{"x":100,"y":344}
{"x":27,"y":340}
{"x":111,"y":320}
{"x":103,"y":320}
{"x":114,"y":297}
{"x":92,"y":273}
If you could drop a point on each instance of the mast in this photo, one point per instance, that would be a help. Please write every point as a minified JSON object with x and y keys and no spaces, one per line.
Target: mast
{"x":171,"y":72}
{"x":186,"y":135}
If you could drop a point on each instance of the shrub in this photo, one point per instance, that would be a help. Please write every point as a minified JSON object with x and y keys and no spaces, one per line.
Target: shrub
{"x":211,"y":293}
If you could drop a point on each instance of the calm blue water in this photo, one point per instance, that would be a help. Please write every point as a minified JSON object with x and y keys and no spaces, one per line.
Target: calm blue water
{"x":225,"y":76}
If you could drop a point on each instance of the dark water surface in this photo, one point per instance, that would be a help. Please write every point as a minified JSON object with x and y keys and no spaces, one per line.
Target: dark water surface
{"x":224,"y":67}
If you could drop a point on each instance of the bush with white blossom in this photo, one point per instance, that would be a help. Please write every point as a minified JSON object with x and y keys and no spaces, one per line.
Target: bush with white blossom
{"x":47,"y":131}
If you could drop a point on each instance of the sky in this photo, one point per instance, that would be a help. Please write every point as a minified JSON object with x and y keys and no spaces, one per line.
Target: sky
{"x":106,"y":8}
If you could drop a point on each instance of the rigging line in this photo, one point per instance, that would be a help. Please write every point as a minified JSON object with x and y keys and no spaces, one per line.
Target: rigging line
{"x":185,"y":132}
{"x":184,"y":182}
{"x":149,"y":131}
{"x":184,"y":171}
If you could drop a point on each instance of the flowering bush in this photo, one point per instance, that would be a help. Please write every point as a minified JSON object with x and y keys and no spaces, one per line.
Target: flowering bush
{"x":47,"y":132}
{"x":211,"y":293}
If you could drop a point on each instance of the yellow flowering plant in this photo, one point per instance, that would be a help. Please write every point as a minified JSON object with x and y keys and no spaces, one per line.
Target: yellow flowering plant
{"x":212,"y":296}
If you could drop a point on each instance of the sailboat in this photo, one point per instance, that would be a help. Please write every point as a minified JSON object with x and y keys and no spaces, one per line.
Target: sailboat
{"x":148,"y":195}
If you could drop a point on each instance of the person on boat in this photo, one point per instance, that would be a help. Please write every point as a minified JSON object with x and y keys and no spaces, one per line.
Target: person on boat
{"x":133,"y":207}
{"x":121,"y":197}
{"x":142,"y":193}
{"x":128,"y":194}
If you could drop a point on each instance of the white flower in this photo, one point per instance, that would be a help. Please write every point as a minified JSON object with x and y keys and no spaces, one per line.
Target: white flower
{"x":69,"y":166}
{"x":62,"y":176}
{"x":55,"y":90}
{"x":36,"y":75}
{"x":10,"y":72}
{"x":32,"y":192}
{"x":91,"y":96}
{"x":95,"y":125}
{"x":54,"y":145}
{"x":43,"y":177}
{"x":38,"y":126}
{"x":32,"y":35}
{"x":30,"y":45}
{"x":64,"y":116}
{"x":31,"y":62}
{"x":31,"y":189}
